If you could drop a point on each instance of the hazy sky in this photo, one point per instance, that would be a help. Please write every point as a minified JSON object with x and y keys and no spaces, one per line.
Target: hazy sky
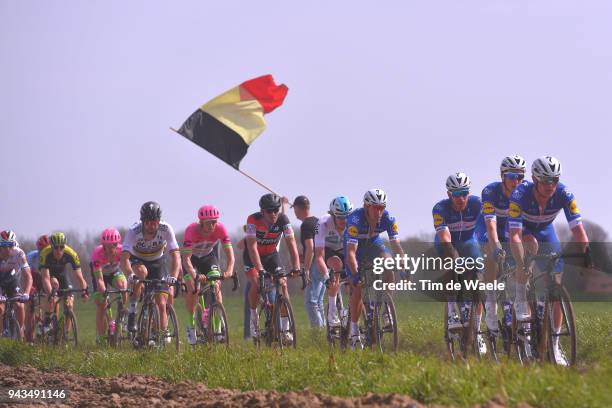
{"x":395,"y":95}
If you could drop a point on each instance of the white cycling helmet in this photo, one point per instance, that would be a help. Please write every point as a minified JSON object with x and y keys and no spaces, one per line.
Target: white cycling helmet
{"x":458,"y":181}
{"x":510,"y":163}
{"x":8,"y":239}
{"x":546,"y":166}
{"x":375,"y":197}
{"x":340,"y":206}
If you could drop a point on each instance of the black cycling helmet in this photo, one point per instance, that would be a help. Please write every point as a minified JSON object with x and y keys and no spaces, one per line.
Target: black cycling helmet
{"x":269,"y":202}
{"x":150,"y":211}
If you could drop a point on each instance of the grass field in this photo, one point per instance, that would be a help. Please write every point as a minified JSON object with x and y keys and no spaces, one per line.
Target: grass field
{"x":420,"y":369}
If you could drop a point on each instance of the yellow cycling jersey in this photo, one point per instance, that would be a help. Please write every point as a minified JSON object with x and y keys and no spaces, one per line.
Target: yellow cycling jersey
{"x":47,"y":260}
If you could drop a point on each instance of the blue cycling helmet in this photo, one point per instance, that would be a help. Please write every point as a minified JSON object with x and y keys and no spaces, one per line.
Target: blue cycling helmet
{"x":340,"y":206}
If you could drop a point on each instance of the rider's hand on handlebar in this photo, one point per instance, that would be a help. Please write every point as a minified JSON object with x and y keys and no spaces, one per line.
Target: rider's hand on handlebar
{"x":85,"y":294}
{"x":171,"y":280}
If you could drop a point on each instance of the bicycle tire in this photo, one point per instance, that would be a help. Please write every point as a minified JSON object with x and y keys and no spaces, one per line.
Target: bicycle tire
{"x":69,"y":328}
{"x":172,"y":329}
{"x":281,"y":303}
{"x":568,"y":323}
{"x":216,"y":315}
{"x":152,"y":328}
{"x":120,"y":324}
{"x":199,"y":327}
{"x":385,"y":305}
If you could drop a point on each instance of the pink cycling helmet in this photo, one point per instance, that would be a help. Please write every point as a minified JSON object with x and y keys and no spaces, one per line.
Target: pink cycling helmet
{"x":110,"y":236}
{"x":208,"y":212}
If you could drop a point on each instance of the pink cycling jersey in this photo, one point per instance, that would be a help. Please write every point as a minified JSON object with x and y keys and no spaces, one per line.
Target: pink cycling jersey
{"x":202,"y":245}
{"x":100,"y":261}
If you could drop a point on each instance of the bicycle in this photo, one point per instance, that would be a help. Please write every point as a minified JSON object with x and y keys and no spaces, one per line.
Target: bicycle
{"x":378,"y":321}
{"x":116,"y":332}
{"x":10,"y":325}
{"x":211,"y":320}
{"x":335,"y":334}
{"x":148,"y":329}
{"x":271,"y":314}
{"x":38,"y":317}
{"x":534,"y":339}
{"x":62,"y":330}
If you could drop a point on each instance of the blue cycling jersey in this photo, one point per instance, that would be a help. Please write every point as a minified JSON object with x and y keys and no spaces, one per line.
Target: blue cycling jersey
{"x":494,"y":207}
{"x":358,"y":230}
{"x":32,"y":258}
{"x":524,"y":211}
{"x":461,"y":224}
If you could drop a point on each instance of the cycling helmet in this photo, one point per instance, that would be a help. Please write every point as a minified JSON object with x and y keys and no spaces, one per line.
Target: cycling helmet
{"x":8,"y":239}
{"x":110,"y":236}
{"x":510,"y":163}
{"x":375,"y":196}
{"x":208,"y":212}
{"x":457,"y":182}
{"x":269,"y":202}
{"x":150,"y":211}
{"x":42,"y":242}
{"x":340,"y":206}
{"x":58,"y":239}
{"x":546,"y":166}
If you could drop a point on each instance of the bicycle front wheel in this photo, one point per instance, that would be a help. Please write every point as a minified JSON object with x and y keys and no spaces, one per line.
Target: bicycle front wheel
{"x":172,"y":331}
{"x":561,"y":337}
{"x":386,"y":324}
{"x":285,"y":329}
{"x":69,"y":329}
{"x":217,"y":325}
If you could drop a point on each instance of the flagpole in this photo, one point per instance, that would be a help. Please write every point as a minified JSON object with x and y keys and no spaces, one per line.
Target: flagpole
{"x":238,"y":170}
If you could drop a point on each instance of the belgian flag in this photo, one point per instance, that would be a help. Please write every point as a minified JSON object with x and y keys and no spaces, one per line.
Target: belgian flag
{"x":227,"y":125}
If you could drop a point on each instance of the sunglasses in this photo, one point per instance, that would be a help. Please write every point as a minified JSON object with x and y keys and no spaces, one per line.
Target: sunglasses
{"x":549,"y":180}
{"x":111,"y":245}
{"x":209,"y":222}
{"x":58,"y":247}
{"x":514,"y":176}
{"x":340,"y":217}
{"x":460,"y":193}
{"x":272,"y":211}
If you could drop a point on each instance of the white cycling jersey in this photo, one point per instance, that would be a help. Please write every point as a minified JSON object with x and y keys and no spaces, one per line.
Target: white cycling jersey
{"x":16,"y":261}
{"x":150,"y":250}
{"x":327,"y":235}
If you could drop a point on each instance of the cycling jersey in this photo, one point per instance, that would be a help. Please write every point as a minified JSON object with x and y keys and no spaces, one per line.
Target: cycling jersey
{"x":358,"y":230}
{"x":32,"y":258}
{"x":494,"y":207}
{"x":328,"y":237}
{"x":524,"y":211}
{"x":16,"y":261}
{"x":57,"y":266}
{"x":202,"y":245}
{"x":150,"y":250}
{"x":268,"y":238}
{"x":461,"y":224}
{"x":33,"y":261}
{"x":101,"y":262}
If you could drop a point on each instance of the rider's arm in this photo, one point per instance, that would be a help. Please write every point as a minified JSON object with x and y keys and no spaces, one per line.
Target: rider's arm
{"x":516,"y":246}
{"x":251,"y":245}
{"x":186,"y":256}
{"x":393,"y":234}
{"x":574,"y":219}
{"x":27,"y":279}
{"x":175,"y":267}
{"x":293,"y":251}
{"x":493,"y":239}
{"x":446,"y":243}
{"x":320,"y":260}
{"x":351,"y":251}
{"x":229,"y":256}
{"x":580,"y":235}
{"x":126,"y":266}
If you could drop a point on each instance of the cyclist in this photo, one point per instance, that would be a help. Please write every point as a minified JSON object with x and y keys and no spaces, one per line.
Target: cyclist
{"x":315,"y":288}
{"x":362,"y":240}
{"x":263,"y":232}
{"x":455,"y":219}
{"x":329,"y":250}
{"x":33,"y":261}
{"x":13,"y":261}
{"x":200,"y":259}
{"x":142,"y":256}
{"x":533,"y":208}
{"x":53,"y":260}
{"x":105,"y":261}
{"x":492,"y":223}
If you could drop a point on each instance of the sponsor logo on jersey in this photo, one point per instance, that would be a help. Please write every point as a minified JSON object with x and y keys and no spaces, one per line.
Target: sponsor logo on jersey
{"x":353,"y":231}
{"x":438,"y":220}
{"x":488,"y":208}
{"x":573,"y":207}
{"x":394,"y":227}
{"x":514,"y":210}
